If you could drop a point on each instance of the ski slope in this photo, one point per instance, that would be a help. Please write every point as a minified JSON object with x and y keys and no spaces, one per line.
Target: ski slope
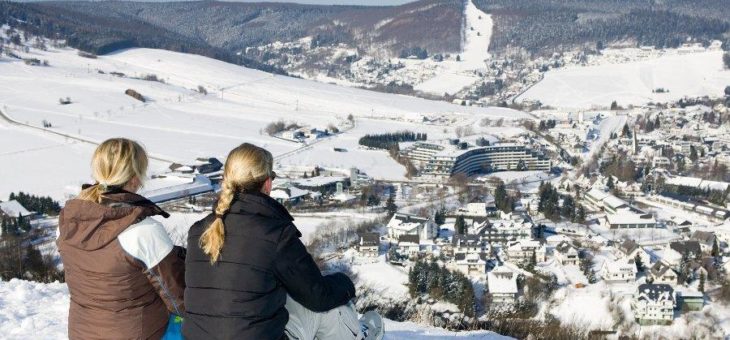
{"x":179,"y":124}
{"x":30,"y":310}
{"x":453,"y":76}
{"x":695,"y":74}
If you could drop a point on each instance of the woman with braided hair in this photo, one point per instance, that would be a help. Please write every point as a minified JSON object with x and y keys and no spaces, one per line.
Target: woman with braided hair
{"x":249,"y":276}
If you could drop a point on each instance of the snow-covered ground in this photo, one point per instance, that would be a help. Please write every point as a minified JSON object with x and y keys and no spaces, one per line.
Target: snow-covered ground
{"x":30,"y":310}
{"x":694,"y":74}
{"x":451,"y":75}
{"x":179,"y":124}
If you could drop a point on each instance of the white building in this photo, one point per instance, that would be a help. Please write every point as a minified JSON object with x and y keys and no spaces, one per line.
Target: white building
{"x":405,"y":224}
{"x":368,"y":244}
{"x":626,"y":219}
{"x":504,"y":231}
{"x":502,"y":285}
{"x":409,"y":246}
{"x":470,"y":263}
{"x":523,"y":252}
{"x":654,"y":304}
{"x":13,"y":209}
{"x":566,"y":254}
{"x":662,"y":273}
{"x":621,"y":270}
{"x":630,"y":250}
{"x":459,"y":157}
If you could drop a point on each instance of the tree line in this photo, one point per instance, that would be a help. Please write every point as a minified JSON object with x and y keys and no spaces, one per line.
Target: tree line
{"x":549,"y":205}
{"x":39,"y":204}
{"x":387,"y":140}
{"x":441,"y":284}
{"x":543,"y":27}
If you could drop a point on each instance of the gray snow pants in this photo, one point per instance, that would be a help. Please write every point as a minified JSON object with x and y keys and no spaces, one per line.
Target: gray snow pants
{"x":340,"y":323}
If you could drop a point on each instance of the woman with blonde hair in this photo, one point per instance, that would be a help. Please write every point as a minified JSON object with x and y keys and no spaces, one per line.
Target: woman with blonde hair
{"x":249,"y":276}
{"x":124,"y":275}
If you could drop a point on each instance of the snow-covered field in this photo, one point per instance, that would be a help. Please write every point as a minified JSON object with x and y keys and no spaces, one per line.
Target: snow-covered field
{"x":694,"y":74}
{"x":179,"y":124}
{"x":30,"y":310}
{"x":452,"y":75}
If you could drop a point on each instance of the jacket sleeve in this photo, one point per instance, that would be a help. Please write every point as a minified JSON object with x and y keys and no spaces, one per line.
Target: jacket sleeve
{"x":302,"y":279}
{"x":148,"y":242}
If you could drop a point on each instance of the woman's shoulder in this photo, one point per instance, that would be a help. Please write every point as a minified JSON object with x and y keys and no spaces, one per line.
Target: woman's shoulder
{"x":199,"y":226}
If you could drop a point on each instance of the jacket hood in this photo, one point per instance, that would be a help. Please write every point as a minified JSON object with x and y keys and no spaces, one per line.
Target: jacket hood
{"x":89,"y":225}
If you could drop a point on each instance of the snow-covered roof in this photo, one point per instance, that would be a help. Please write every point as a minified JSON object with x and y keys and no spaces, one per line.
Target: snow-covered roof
{"x":319,"y":181}
{"x":626,"y":217}
{"x":502,"y":280}
{"x":13,"y":209}
{"x":655,"y":292}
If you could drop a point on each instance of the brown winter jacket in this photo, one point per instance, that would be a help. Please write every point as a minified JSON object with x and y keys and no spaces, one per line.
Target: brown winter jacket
{"x":114,"y":295}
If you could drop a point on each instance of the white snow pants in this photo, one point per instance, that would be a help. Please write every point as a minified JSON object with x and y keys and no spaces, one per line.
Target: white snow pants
{"x":340,"y":323}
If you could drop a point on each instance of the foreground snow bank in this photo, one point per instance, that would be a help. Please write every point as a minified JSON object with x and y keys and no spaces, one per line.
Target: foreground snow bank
{"x":30,"y":310}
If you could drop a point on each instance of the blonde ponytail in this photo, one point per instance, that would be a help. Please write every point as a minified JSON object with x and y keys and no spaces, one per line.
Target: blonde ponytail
{"x":115,"y":162}
{"x":247,"y":169}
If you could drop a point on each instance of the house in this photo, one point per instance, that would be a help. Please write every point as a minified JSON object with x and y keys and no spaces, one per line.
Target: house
{"x":208,"y":165}
{"x":503,"y":231}
{"x":288,"y":194}
{"x":627,"y":219}
{"x":630,"y":249}
{"x":13,"y":209}
{"x":687,"y":249}
{"x":469,"y":244}
{"x":409,"y":245}
{"x":502,"y":285}
{"x":566,"y":254}
{"x":523,"y":252}
{"x":662,"y":273}
{"x":542,"y":253}
{"x":368,"y":244}
{"x":654,"y":304}
{"x":706,"y":240}
{"x":621,"y":270}
{"x":404,"y":224}
{"x":690,"y":300}
{"x":471,"y":263}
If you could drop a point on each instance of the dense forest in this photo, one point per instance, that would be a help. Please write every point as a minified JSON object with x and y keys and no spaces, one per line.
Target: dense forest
{"x":546,"y":26}
{"x":233,"y":27}
{"x":100,"y":34}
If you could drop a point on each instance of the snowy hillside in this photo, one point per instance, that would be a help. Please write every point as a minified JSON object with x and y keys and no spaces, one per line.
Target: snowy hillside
{"x":695,"y":74}
{"x":177,"y":123}
{"x":40,"y":311}
{"x":452,"y":75}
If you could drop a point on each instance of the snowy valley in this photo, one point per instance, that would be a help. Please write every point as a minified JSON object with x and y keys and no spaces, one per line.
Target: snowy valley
{"x":487,"y":191}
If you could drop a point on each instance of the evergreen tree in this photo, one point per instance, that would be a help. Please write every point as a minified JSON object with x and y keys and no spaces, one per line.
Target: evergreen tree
{"x":609,"y":183}
{"x":614,"y":105}
{"x":460,"y":225}
{"x":693,"y":154}
{"x":440,"y":216}
{"x":639,"y":264}
{"x":305,"y":175}
{"x":701,"y":286}
{"x":502,"y":200}
{"x":580,"y":215}
{"x":715,"y":249}
{"x":568,"y":208}
{"x":390,"y":205}
{"x":626,"y":132}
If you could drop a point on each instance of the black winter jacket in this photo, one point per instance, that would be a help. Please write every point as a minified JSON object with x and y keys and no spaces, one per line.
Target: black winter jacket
{"x":242,"y":295}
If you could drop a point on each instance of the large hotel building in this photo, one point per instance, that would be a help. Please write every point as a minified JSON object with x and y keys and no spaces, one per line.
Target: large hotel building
{"x":447,"y":160}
